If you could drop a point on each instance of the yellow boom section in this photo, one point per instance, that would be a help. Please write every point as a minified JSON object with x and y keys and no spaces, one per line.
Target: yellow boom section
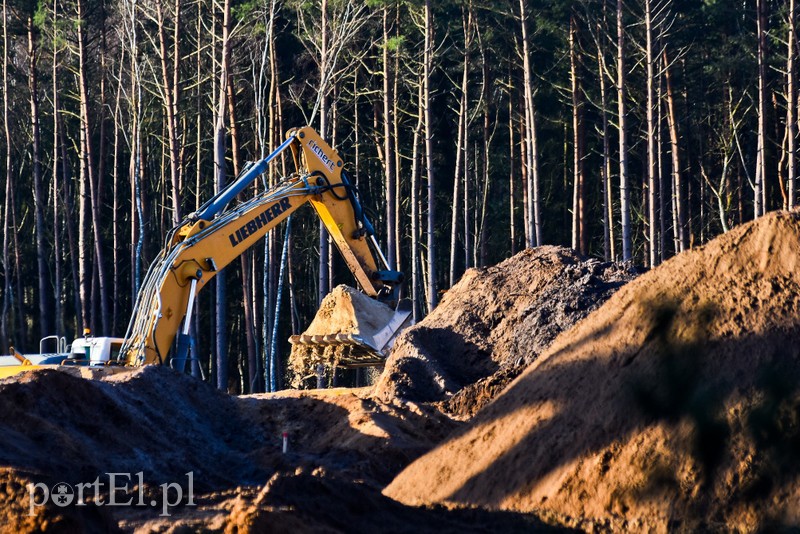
{"x":200,"y":248}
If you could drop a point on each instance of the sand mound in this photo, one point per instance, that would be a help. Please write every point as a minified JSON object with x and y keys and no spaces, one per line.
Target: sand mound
{"x":494,"y":320}
{"x":344,"y":431}
{"x":673,"y":406}
{"x":152,"y":420}
{"x":16,"y":516}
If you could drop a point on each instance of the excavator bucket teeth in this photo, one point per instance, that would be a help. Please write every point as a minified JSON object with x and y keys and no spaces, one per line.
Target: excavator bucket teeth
{"x":330,"y":339}
{"x":350,"y":330}
{"x":352,"y":351}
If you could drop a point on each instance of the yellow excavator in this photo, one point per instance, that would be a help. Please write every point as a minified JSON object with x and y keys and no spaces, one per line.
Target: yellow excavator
{"x":216,"y":234}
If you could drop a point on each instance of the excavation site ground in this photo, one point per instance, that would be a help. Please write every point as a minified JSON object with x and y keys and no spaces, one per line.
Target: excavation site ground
{"x":549,"y":392}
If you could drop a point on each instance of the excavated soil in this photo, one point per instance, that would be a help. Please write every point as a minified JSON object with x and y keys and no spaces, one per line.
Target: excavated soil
{"x":341,"y":506}
{"x":348,"y":311}
{"x":344,"y":447}
{"x":152,"y":420}
{"x":674,"y":406}
{"x":492,"y":324}
{"x":15,"y":513}
{"x":345,"y":431}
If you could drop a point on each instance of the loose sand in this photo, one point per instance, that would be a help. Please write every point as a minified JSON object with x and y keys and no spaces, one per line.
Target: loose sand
{"x":675,"y":405}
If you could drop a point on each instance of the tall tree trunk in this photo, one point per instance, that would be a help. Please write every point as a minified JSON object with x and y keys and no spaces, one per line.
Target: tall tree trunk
{"x":324,"y":246}
{"x":468,"y":206}
{"x":199,"y":106}
{"x":663,"y":182}
{"x":98,"y":220}
{"x":580,"y":240}
{"x":171,"y":82}
{"x":791,"y":106}
{"x":512,"y":173}
{"x":466,"y":16}
{"x":263,"y":105}
{"x":624,"y":192}
{"x":39,"y":201}
{"x":10,"y":227}
{"x":277,"y":130}
{"x":115,"y":202}
{"x":415,"y":205}
{"x":19,"y":314}
{"x":83,"y":182}
{"x":4,"y":327}
{"x":486,"y":83}
{"x":784,"y":152}
{"x":759,"y":206}
{"x":220,"y":147}
{"x":271,"y":382}
{"x":391,"y":178}
{"x":679,"y":214}
{"x":88,"y":181}
{"x":68,"y":213}
{"x":247,"y":256}
{"x":431,"y":181}
{"x":56,"y":193}
{"x":526,"y":176}
{"x":609,"y":249}
{"x":399,"y":238}
{"x":534,"y":232}
{"x":652,"y":194}
{"x":135,"y":170}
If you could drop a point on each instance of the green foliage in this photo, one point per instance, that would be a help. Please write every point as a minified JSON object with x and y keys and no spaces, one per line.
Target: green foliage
{"x":40,"y":17}
{"x":394,"y":44}
{"x":247,"y":11}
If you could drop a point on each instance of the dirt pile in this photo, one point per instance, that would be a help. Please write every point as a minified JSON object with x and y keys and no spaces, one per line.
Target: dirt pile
{"x":673,"y":406}
{"x":57,"y":427}
{"x":347,"y":310}
{"x":17,"y":515}
{"x":494,"y":322}
{"x":151,"y":419}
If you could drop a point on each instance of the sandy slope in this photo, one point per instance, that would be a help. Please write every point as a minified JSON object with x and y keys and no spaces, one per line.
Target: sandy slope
{"x":493,"y":323}
{"x":675,"y":405}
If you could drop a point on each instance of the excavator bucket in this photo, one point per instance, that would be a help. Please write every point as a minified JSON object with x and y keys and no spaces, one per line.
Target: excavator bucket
{"x":350,"y":330}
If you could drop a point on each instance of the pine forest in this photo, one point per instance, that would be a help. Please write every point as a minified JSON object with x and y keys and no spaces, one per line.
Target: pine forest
{"x":629,"y":131}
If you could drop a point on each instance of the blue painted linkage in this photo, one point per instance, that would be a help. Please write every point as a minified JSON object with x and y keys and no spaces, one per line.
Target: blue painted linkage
{"x":221,"y":199}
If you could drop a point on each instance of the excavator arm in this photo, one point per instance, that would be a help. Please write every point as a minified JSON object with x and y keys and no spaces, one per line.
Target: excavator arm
{"x":215,"y":235}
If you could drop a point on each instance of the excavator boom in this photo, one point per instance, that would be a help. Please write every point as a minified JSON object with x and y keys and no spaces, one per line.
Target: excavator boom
{"x":215,"y":235}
